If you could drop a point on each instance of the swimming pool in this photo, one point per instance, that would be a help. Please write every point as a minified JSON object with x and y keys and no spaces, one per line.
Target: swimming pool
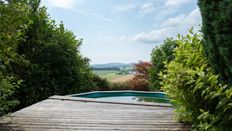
{"x":125,"y":96}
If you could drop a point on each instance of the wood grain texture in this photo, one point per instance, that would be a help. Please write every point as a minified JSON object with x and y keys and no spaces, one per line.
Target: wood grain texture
{"x":56,"y":114}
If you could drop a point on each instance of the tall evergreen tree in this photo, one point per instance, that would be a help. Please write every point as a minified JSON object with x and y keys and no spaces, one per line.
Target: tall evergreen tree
{"x":217,"y":30}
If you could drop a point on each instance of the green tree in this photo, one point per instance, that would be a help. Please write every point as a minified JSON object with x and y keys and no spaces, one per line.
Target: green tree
{"x":100,"y":83}
{"x":38,"y":58}
{"x":217,"y":29}
{"x":56,"y":65}
{"x":159,"y":56}
{"x":13,"y":22}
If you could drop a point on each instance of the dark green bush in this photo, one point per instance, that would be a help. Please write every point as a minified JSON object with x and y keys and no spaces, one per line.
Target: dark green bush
{"x":56,"y":66}
{"x":100,"y":83}
{"x":7,"y":89}
{"x":38,"y":58}
{"x":217,"y":32}
{"x":120,"y":86}
{"x":198,"y":96}
{"x":13,"y":23}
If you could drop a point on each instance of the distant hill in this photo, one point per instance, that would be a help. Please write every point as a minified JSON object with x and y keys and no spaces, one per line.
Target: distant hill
{"x":112,"y":65}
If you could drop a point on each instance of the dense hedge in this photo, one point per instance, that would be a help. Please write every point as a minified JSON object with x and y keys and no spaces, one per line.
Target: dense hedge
{"x":13,"y":23}
{"x":38,"y":58}
{"x":100,"y":83}
{"x":197,"y":94}
{"x":159,"y":56}
{"x":217,"y":30}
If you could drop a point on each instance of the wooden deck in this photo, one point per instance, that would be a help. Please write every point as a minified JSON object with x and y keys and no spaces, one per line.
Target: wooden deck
{"x":65,"y":114}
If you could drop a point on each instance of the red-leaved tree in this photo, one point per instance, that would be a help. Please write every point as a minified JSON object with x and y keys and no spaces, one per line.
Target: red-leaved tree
{"x":140,"y":79}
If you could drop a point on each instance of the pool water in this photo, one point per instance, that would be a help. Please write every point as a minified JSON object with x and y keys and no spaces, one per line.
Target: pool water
{"x":134,"y":99}
{"x":126,"y":96}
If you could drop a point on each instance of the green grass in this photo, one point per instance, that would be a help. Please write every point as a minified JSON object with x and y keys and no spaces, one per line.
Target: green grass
{"x":108,"y":74}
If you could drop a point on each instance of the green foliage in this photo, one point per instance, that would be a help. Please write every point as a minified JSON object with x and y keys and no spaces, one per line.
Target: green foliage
{"x":198,"y":96}
{"x":14,"y":20}
{"x":38,"y":58}
{"x":159,"y":55}
{"x":100,"y":83}
{"x":120,"y":86}
{"x":217,"y":32}
{"x":6,"y":91}
{"x":56,"y":66}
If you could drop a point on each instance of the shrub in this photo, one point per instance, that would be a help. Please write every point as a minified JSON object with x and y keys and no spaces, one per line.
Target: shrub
{"x":120,"y":86}
{"x":217,"y":32}
{"x":159,"y":55}
{"x":100,"y":83}
{"x":6,"y":91}
{"x":198,"y":96}
{"x":14,"y":21}
{"x":40,"y":55}
{"x":56,"y":66}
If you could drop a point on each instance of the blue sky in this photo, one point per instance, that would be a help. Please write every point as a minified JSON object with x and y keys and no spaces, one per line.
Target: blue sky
{"x":124,"y":30}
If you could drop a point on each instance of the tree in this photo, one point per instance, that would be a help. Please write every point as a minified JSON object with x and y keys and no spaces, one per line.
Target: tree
{"x":55,"y":63}
{"x":14,"y":21}
{"x":100,"y":83}
{"x":140,"y":79}
{"x":159,"y":56}
{"x":38,"y":58}
{"x":217,"y":32}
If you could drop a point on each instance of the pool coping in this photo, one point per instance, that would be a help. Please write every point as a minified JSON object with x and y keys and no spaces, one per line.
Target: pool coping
{"x":118,"y":91}
{"x":70,"y":98}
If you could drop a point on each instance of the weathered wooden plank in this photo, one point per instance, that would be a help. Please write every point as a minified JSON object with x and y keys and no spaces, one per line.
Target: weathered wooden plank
{"x":88,"y":120}
{"x":121,"y":127}
{"x":72,"y":114}
{"x":95,"y":129}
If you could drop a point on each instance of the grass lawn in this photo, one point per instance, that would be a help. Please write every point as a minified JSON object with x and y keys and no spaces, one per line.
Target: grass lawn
{"x":112,"y":75}
{"x":108,"y":74}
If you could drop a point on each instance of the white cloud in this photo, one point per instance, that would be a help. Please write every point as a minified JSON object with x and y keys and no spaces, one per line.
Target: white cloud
{"x":169,"y":28}
{"x":124,"y":8}
{"x":61,"y":3}
{"x":152,"y":36}
{"x":192,"y":19}
{"x":70,"y":4}
{"x":175,"y":3}
{"x":146,"y":8}
{"x":174,"y":21}
{"x":99,"y":17}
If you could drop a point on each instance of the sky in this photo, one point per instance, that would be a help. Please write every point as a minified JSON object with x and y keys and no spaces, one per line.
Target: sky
{"x":124,"y":31}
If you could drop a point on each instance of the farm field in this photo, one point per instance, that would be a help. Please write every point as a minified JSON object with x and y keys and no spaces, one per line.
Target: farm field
{"x":122,"y":78}
{"x":113,"y":76}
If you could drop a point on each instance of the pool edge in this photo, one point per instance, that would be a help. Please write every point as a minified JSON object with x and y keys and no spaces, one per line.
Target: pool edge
{"x":69,"y":97}
{"x":117,"y":91}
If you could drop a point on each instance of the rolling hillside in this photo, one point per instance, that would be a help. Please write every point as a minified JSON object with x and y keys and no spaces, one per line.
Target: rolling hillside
{"x":114,"y":72}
